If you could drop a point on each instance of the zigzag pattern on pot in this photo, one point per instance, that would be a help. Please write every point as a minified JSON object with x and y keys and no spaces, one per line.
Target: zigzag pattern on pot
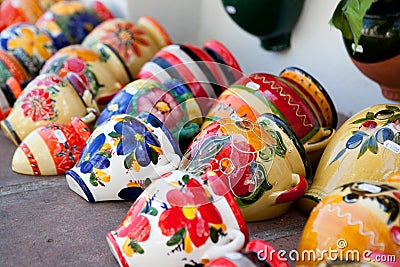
{"x":279,"y":89}
{"x":331,"y":208}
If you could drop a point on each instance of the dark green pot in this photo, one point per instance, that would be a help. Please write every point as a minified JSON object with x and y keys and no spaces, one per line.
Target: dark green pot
{"x":272,"y":21}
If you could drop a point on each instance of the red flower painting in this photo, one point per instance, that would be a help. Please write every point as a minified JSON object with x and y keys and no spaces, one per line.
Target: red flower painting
{"x":38,"y":105}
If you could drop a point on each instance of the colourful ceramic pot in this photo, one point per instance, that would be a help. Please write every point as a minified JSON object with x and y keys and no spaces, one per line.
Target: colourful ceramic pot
{"x":261,"y":92}
{"x":102,"y":72}
{"x":122,"y":156}
{"x":256,"y":253}
{"x":16,"y":11}
{"x":179,"y":220}
{"x":9,"y":93}
{"x":134,"y":43}
{"x":27,"y":43}
{"x":47,"y":98}
{"x":377,"y":54}
{"x":356,"y":222}
{"x":279,"y":18}
{"x":366,"y":146}
{"x":52,"y":149}
{"x":263,"y":164}
{"x":172,"y":103}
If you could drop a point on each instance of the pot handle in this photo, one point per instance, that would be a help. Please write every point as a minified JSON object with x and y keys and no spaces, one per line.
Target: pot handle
{"x":294,"y":192}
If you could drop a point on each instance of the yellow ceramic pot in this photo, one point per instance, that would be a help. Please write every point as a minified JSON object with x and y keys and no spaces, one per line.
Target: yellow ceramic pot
{"x":366,"y":146}
{"x":357,"y":222}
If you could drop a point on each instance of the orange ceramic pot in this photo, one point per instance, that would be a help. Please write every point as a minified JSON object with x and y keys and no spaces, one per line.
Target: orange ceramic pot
{"x":14,"y":11}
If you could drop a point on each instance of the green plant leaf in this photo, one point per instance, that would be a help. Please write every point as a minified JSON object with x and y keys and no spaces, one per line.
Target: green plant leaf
{"x":93,"y":180}
{"x":393,"y":118}
{"x":177,"y":237}
{"x":363,"y":149}
{"x":370,"y":116}
{"x":150,"y":211}
{"x":393,"y":108}
{"x":396,"y":138}
{"x":359,"y":121}
{"x":153,"y":156}
{"x":185,"y":178}
{"x":373,"y":145}
{"x":114,"y":134}
{"x":214,"y":235}
{"x":129,"y":161}
{"x":348,"y":18}
{"x":136,"y":247}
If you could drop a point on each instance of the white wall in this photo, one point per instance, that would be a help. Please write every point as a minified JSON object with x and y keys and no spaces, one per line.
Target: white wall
{"x":316,"y":46}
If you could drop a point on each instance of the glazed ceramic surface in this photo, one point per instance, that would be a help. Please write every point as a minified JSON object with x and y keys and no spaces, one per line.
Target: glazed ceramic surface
{"x":52,"y":149}
{"x":134,"y":43}
{"x":171,"y":102}
{"x":31,"y":46}
{"x":122,"y":157}
{"x":16,"y":11}
{"x":102,"y":72}
{"x":47,"y":98}
{"x":263,"y":164}
{"x":179,"y":220}
{"x":357,"y":221}
{"x":278,"y":19}
{"x":11,"y":67}
{"x":366,"y":146}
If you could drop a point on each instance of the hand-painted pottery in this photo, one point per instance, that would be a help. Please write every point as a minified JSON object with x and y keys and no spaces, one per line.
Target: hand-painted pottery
{"x":179,"y":220}
{"x":263,"y":164}
{"x":122,"y":156}
{"x":69,"y":22}
{"x":52,"y":149}
{"x":134,"y":43}
{"x":30,"y":45}
{"x":47,"y":98}
{"x":172,"y":103}
{"x":377,"y":54}
{"x":357,"y":221}
{"x":102,"y":72}
{"x":16,"y":11}
{"x":11,"y":67}
{"x":366,"y":146}
{"x":256,"y":253}
{"x":279,"y":18}
{"x":9,"y":93}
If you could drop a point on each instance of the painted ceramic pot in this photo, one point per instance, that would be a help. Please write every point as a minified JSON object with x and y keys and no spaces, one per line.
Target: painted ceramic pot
{"x":122,"y":156}
{"x":366,"y":146}
{"x":261,"y":92}
{"x":17,"y":11}
{"x":102,"y":72}
{"x":179,"y":220}
{"x":47,"y":98}
{"x":279,"y":19}
{"x":134,"y":43}
{"x":69,"y":22}
{"x":263,"y":164}
{"x":358,"y":221}
{"x":256,"y":253}
{"x":52,"y":149}
{"x":9,"y":93}
{"x":171,"y":102}
{"x":27,"y":43}
{"x":377,"y":54}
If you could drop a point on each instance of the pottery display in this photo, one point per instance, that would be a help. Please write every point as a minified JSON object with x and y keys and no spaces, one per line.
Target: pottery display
{"x":263,"y":163}
{"x":135,"y":43}
{"x":171,"y":102}
{"x":122,"y":156}
{"x":271,"y":21}
{"x":102,"y":71}
{"x":179,"y":220}
{"x":377,"y":53}
{"x":366,"y":146}
{"x":256,"y":253}
{"x":48,"y":98}
{"x":16,"y":11}
{"x":9,"y":93}
{"x":258,"y":93}
{"x":358,"y":221}
{"x":52,"y":149}
{"x":27,"y":43}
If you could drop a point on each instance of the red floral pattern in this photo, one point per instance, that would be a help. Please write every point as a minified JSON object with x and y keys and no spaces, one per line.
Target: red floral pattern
{"x":38,"y":105}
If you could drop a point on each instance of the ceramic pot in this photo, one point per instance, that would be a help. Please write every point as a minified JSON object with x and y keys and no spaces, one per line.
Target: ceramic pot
{"x":279,"y":19}
{"x":52,"y":149}
{"x":16,"y":11}
{"x":261,"y":92}
{"x":355,"y":222}
{"x":263,"y":164}
{"x":9,"y":93}
{"x":178,"y":220}
{"x":122,"y":156}
{"x":171,"y":102}
{"x":102,"y":72}
{"x":377,"y":54}
{"x":47,"y":98}
{"x":256,"y":253}
{"x":366,"y":147}
{"x":27,"y":43}
{"x":134,"y":43}
{"x":69,"y":22}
